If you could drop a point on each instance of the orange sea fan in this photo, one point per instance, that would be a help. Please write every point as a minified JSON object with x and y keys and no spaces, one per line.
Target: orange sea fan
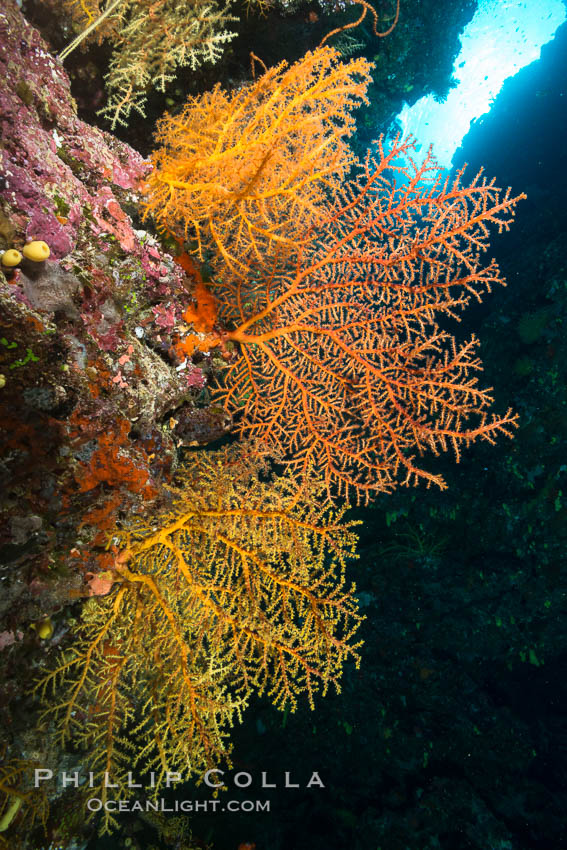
{"x":248,"y":172}
{"x":342,"y":363}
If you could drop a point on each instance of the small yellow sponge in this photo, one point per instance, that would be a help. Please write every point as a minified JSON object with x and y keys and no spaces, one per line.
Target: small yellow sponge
{"x":11,"y":258}
{"x":44,"y":629}
{"x":36,"y":251}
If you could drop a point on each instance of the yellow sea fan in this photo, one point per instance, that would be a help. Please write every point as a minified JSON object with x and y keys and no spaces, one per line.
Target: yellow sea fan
{"x":238,"y":586}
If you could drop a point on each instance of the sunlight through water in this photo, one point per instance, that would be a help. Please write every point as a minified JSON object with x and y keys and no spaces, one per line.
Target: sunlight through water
{"x":503,"y":37}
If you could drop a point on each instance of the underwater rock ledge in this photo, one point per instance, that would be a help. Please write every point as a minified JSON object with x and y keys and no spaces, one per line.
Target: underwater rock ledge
{"x":89,"y":379}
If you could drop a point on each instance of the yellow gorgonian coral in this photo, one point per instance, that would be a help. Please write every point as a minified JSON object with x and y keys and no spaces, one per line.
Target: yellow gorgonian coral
{"x":238,"y":587}
{"x":151,"y":40}
{"x":248,"y":171}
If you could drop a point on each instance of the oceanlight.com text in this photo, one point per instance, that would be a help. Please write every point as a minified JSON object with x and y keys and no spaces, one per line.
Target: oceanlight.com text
{"x":95,"y":804}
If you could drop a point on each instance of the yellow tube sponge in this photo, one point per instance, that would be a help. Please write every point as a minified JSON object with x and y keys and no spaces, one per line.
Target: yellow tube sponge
{"x":44,"y":629}
{"x":11,"y":258}
{"x":36,"y":251}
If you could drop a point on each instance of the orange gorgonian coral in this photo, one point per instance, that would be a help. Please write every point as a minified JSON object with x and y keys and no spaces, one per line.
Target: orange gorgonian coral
{"x":248,"y":172}
{"x":342,"y":363}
